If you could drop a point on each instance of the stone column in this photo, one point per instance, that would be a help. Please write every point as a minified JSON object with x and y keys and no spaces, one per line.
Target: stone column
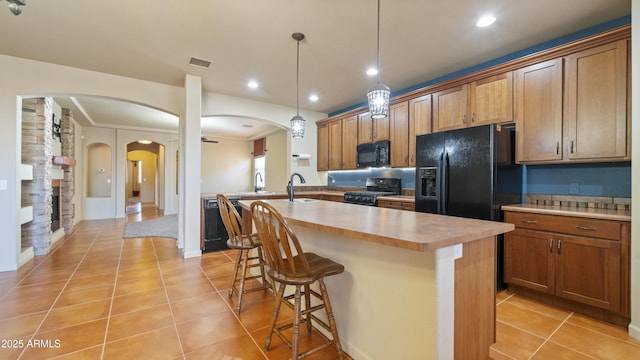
{"x":67,"y":189}
{"x":36,"y":151}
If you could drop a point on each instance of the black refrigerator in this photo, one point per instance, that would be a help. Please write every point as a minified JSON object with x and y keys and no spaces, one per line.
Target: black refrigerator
{"x":469,"y":173}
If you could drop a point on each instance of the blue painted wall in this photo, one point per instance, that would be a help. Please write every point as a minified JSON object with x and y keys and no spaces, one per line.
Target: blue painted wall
{"x":602,"y":179}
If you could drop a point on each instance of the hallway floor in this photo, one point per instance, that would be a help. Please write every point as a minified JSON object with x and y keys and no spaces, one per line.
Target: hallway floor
{"x":97,"y":296}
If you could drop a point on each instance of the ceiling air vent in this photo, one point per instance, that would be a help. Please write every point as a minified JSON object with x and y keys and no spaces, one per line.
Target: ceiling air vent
{"x":199,"y":62}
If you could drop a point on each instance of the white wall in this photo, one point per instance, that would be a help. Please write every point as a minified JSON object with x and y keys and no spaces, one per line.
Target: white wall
{"x":216,"y":104}
{"x":226,"y":166}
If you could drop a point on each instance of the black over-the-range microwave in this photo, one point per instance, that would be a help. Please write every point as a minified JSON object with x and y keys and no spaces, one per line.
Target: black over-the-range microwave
{"x":375,"y":154}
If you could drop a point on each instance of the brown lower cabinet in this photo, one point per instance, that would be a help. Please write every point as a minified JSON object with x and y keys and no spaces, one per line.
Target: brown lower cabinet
{"x":575,"y":260}
{"x":395,"y":204}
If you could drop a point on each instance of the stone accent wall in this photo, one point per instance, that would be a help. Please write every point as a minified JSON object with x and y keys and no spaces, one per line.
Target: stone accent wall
{"x":36,"y":151}
{"x":598,"y":202}
{"x":67,"y":189}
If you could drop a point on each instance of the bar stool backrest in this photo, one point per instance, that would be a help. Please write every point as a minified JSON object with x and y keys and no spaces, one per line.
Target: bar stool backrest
{"x":231,"y":220}
{"x":279,"y":242}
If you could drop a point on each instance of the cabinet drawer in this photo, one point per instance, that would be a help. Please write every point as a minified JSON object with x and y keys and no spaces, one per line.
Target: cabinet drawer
{"x":401,"y":205}
{"x":566,"y":225}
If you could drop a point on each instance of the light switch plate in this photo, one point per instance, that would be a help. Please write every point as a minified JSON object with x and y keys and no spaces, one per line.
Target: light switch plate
{"x":574,"y":188}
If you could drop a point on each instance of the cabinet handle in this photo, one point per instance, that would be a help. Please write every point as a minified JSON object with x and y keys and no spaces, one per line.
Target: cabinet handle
{"x":473,"y":116}
{"x":550,"y":246}
{"x":571,"y":146}
{"x":559,"y":246}
{"x":586,"y":228}
{"x":464,"y":119}
{"x":557,"y":147}
{"x":529,"y":221}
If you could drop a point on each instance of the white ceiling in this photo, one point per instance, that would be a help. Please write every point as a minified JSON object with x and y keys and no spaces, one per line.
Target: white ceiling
{"x":153,"y":40}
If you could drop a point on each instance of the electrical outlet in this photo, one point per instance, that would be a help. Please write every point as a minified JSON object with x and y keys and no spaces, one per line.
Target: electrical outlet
{"x":574,"y":188}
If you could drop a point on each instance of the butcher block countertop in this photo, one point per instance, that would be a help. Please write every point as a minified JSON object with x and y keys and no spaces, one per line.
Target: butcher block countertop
{"x":403,"y":229}
{"x":582,"y":212}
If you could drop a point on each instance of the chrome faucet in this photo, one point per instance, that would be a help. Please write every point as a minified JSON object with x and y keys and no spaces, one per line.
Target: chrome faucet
{"x":290,"y":184}
{"x":257,"y":188}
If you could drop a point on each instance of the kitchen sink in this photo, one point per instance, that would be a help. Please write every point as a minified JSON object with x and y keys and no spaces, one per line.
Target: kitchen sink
{"x":261,"y":192}
{"x":304,"y":200}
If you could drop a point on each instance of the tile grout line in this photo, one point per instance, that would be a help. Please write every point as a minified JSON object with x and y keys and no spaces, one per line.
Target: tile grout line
{"x":166,"y":294}
{"x":113,"y":294}
{"x":61,"y":290}
{"x":546,"y":340}
{"x":228,"y":304}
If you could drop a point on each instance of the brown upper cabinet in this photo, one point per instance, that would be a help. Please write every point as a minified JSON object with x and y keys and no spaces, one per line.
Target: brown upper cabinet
{"x":370,"y":129}
{"x":419,"y":122}
{"x":349,"y":142}
{"x":335,"y":145}
{"x":594,"y":125}
{"x":399,"y":131}
{"x":538,"y":112}
{"x":337,"y":141}
{"x":450,"y":108}
{"x":480,"y":102}
{"x":323,"y":147}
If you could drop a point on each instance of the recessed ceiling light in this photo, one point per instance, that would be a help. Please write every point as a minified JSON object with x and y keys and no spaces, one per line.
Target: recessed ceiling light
{"x":485,"y":20}
{"x":252,"y":84}
{"x":247,"y":125}
{"x":372,"y":71}
{"x":313,"y":97}
{"x":145,"y":142}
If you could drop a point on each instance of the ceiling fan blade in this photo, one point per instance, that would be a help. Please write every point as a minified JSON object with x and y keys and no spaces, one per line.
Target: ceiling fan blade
{"x":204,"y":139}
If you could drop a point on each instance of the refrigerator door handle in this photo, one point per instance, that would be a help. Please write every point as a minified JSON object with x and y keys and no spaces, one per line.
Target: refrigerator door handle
{"x":440,"y":179}
{"x":445,"y":185}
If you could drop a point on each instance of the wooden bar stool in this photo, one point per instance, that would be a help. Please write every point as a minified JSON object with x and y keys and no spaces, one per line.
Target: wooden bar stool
{"x":245,"y":244}
{"x":287,"y":264}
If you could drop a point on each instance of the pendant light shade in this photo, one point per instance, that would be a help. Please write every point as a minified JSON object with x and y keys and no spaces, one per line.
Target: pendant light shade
{"x":297,"y":122}
{"x":378,"y":94}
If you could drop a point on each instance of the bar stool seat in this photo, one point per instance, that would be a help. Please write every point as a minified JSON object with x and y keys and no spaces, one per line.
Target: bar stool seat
{"x":245,"y":243}
{"x":288,"y":264}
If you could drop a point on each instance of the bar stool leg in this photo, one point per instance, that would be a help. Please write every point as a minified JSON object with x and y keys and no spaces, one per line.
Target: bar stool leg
{"x":235,"y":273}
{"x":332,"y":320}
{"x":307,"y":298}
{"x":274,"y":317}
{"x":296,"y":322}
{"x":243,"y":275}
{"x":266,"y":284}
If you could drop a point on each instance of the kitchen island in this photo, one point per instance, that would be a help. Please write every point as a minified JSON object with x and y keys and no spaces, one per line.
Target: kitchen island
{"x":415,"y":286}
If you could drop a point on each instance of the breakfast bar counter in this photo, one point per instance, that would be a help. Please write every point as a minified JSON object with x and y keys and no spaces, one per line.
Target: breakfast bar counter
{"x":415,"y":286}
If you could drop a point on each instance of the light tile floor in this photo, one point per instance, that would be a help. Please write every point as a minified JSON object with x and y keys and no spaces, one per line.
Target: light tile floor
{"x":97,"y":296}
{"x":530,"y":330}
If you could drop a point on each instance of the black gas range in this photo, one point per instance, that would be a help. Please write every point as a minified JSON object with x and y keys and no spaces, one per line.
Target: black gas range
{"x":375,"y":187}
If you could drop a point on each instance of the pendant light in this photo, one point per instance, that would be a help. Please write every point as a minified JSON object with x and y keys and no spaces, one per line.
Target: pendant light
{"x":297,"y":122}
{"x":378,"y":94}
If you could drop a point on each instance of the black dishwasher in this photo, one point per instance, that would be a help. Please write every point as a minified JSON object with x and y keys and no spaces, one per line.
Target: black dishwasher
{"x":215,"y":234}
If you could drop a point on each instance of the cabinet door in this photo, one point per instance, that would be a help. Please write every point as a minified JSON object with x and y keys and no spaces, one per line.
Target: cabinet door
{"x":399,"y":128}
{"x":349,"y":142}
{"x":419,"y":122}
{"x":381,"y":129}
{"x":323,"y":147}
{"x":538,"y":112}
{"x":491,"y":100}
{"x":588,"y":271}
{"x":450,"y":108}
{"x":335,"y":145}
{"x":596,"y":103}
{"x":365,"y":128}
{"x":529,"y":259}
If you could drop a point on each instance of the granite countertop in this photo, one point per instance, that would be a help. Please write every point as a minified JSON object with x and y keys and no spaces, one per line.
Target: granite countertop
{"x":583,"y":212}
{"x":404,"y":229}
{"x":272,"y":194}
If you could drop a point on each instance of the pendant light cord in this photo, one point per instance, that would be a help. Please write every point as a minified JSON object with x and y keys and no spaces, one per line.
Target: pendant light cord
{"x":378,"y":44}
{"x":298,"y":78}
